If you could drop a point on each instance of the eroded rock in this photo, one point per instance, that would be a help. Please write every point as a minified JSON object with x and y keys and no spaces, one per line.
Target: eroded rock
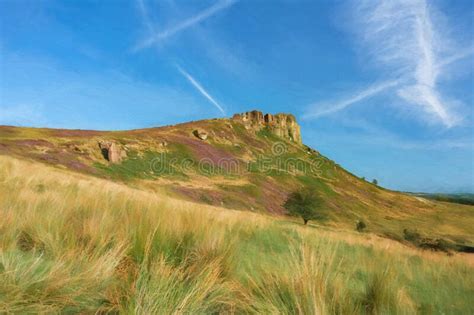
{"x":282,"y":125}
{"x":112,"y":151}
{"x":201,"y":134}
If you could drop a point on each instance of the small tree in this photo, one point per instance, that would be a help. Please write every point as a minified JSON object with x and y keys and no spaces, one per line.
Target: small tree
{"x":375,"y":182}
{"x":305,"y":203}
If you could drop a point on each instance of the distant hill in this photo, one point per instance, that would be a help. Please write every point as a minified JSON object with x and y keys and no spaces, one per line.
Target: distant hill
{"x":464,"y":199}
{"x":249,"y":162}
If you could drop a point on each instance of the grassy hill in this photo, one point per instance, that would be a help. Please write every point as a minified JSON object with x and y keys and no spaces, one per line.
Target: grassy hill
{"x":465,"y":199}
{"x":75,"y":243}
{"x":244,"y":169}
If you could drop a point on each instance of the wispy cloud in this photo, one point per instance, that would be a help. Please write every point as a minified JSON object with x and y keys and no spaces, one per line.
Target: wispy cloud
{"x":321,"y":109}
{"x":182,"y":25}
{"x":353,"y":132}
{"x":369,"y":133}
{"x":406,"y":40}
{"x":200,"y":88}
{"x":462,"y":54}
{"x":145,"y":16}
{"x":426,"y":45}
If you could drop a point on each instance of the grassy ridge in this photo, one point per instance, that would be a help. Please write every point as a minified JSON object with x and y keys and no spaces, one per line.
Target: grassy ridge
{"x":73,"y":243}
{"x":255,"y":177}
{"x":465,"y":199}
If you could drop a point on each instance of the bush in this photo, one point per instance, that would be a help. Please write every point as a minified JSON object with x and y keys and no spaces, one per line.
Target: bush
{"x":434,"y":244}
{"x":411,"y":236}
{"x":438,"y":244}
{"x":360,"y":226}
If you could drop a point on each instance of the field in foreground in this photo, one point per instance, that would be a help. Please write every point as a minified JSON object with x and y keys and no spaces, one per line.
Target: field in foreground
{"x":74,"y":243}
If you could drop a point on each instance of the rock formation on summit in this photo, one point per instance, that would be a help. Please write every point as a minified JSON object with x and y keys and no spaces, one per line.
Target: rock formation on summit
{"x":282,"y":125}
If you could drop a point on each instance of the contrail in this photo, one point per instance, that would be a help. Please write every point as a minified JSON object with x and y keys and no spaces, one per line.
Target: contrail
{"x":318,"y":110}
{"x":404,"y":37}
{"x":201,"y":90}
{"x":201,"y":16}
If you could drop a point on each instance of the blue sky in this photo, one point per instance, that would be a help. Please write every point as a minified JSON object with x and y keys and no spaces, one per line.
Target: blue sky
{"x":383,"y":88}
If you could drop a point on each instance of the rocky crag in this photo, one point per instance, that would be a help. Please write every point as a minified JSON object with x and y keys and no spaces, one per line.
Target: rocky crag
{"x":282,"y":125}
{"x":112,"y":152}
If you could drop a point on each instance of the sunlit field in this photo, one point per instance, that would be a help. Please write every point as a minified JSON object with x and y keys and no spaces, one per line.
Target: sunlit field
{"x":73,"y":243}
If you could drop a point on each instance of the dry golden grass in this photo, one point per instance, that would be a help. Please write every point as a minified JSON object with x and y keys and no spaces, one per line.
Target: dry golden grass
{"x":347,"y":199}
{"x":73,"y":243}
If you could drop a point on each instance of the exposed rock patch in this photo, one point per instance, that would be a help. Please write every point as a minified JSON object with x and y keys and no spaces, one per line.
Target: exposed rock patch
{"x":201,"y":134}
{"x":282,"y":125}
{"x":111,"y":151}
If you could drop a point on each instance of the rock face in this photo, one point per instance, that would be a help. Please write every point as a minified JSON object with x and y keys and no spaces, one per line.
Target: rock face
{"x":282,"y":125}
{"x":201,"y":134}
{"x":111,"y":151}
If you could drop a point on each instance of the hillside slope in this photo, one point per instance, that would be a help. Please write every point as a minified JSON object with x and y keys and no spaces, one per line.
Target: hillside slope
{"x":251,"y":162}
{"x":73,"y":243}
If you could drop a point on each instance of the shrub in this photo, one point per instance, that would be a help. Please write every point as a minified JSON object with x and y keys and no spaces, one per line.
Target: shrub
{"x":360,"y":226}
{"x":411,"y":235}
{"x":428,"y":243}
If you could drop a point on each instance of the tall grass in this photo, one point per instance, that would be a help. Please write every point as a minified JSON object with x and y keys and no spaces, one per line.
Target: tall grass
{"x":74,"y":244}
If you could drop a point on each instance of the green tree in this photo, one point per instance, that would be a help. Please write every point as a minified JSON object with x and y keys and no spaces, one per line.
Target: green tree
{"x":306,"y":204}
{"x":375,"y":182}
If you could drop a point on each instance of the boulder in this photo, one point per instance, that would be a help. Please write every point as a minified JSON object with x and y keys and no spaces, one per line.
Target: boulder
{"x":112,"y":152}
{"x":201,"y":134}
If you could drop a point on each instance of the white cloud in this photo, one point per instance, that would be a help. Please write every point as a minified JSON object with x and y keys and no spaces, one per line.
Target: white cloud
{"x":201,"y":90}
{"x":460,"y":55}
{"x":405,"y":38}
{"x":430,"y":101}
{"x":182,"y":25}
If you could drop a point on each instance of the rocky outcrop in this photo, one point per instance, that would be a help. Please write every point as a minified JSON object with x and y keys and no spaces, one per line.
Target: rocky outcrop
{"x":201,"y":134}
{"x":111,"y":151}
{"x":282,"y":125}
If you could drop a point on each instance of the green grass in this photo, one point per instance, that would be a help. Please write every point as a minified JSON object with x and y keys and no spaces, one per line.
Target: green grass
{"x":266,"y":133}
{"x":247,"y":190}
{"x":347,"y":198}
{"x":84,"y":245}
{"x":151,"y":165}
